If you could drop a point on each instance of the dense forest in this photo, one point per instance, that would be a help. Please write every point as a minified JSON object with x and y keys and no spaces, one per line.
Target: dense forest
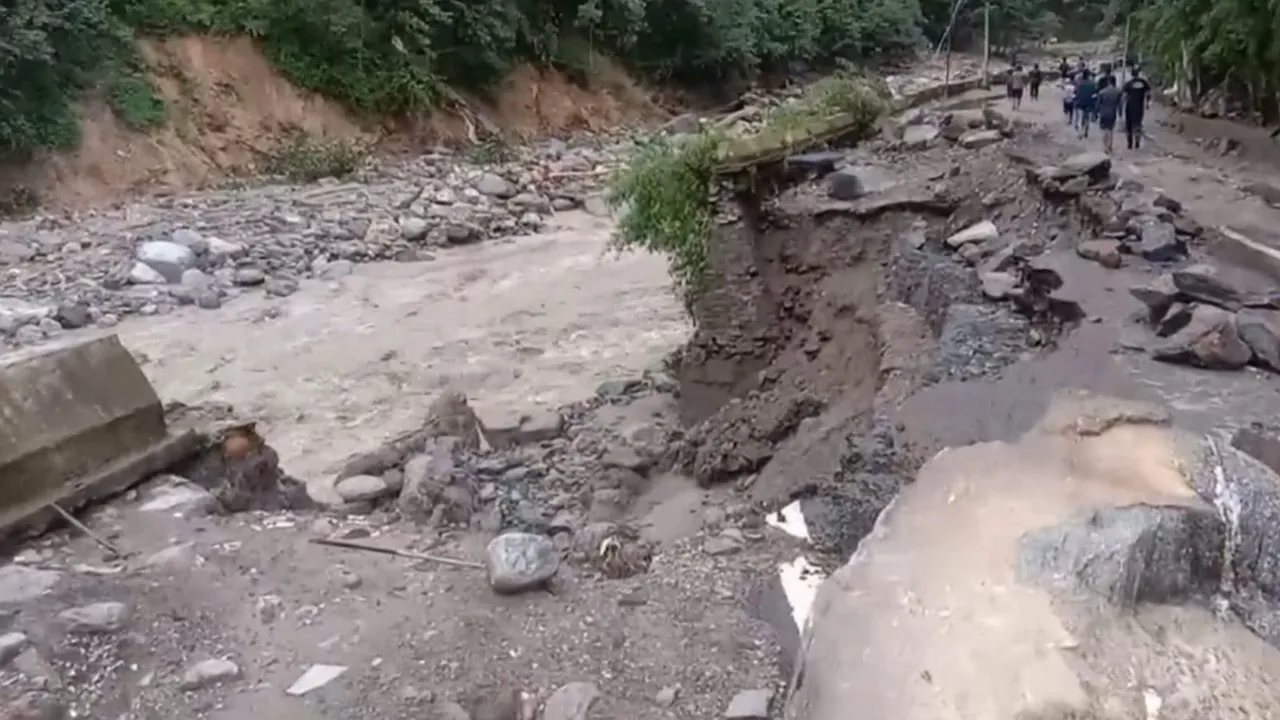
{"x":387,"y":57}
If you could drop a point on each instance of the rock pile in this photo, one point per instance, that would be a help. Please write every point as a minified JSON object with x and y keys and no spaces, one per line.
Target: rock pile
{"x":205,"y":249}
{"x":564,"y":476}
{"x":1205,"y":320}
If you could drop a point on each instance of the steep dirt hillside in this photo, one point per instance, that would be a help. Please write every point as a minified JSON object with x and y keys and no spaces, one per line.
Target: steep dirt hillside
{"x":227,"y":107}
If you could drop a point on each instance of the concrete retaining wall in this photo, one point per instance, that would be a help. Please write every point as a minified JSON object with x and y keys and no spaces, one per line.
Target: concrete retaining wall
{"x":68,"y":412}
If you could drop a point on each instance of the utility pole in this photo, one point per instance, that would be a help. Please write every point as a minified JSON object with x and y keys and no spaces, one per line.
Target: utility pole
{"x":986,"y":44}
{"x":946,"y":40}
{"x":1125,"y":47}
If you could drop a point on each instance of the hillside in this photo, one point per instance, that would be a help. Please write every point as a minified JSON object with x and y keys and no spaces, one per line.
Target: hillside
{"x":99,"y":96}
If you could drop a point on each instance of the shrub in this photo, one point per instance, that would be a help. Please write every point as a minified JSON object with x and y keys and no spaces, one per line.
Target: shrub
{"x":304,"y":158}
{"x":665,"y":195}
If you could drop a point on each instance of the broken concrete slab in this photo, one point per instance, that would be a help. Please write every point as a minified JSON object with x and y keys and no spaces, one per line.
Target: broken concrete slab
{"x":1044,"y":608}
{"x":78,"y":421}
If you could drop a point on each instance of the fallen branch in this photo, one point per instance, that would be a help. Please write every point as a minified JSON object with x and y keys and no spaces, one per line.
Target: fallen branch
{"x":352,"y":545}
{"x":115,"y":551}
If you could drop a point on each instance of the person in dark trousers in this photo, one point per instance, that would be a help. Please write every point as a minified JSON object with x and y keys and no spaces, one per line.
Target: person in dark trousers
{"x":1017,"y":81}
{"x":1034,"y":78}
{"x":1137,"y":98}
{"x":1064,"y":70}
{"x":1069,"y":99}
{"x":1086,"y":102}
{"x":1109,"y":98}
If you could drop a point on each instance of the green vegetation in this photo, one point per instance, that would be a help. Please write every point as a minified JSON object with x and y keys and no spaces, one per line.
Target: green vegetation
{"x":389,"y":57}
{"x":665,"y":195}
{"x":303,"y":158}
{"x":1233,"y":45}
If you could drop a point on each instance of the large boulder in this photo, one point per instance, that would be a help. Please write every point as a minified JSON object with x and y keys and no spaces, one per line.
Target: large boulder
{"x":1054,"y":577}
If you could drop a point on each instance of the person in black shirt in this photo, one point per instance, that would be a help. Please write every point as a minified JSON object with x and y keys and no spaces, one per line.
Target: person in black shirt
{"x":1064,"y":70}
{"x":1034,"y":78}
{"x":1137,"y":98}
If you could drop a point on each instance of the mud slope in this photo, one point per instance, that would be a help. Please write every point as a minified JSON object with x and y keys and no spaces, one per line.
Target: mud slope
{"x":227,"y":106}
{"x":830,"y":313}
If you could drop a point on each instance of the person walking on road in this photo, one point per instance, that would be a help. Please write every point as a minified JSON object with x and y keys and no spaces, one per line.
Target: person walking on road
{"x":1069,"y":99}
{"x":1034,"y":78}
{"x":1017,"y":81}
{"x":1137,"y":98}
{"x":1086,"y":102}
{"x":1109,"y":98}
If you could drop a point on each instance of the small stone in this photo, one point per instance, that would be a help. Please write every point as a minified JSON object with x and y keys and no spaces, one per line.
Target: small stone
{"x":281,"y":286}
{"x":269,"y":608}
{"x":144,"y":274}
{"x":190,"y":239}
{"x":413,"y":228}
{"x":846,"y":184}
{"x":349,"y":579}
{"x":981,"y":232}
{"x":72,"y":315}
{"x":750,"y":705}
{"x":519,"y":561}
{"x":11,"y":643}
{"x":174,"y":557}
{"x":220,"y":249}
{"x":361,"y":488}
{"x":208,"y":299}
{"x":721,"y":545}
{"x":666,"y":697}
{"x":571,"y":701}
{"x":978,"y":139}
{"x":248,"y":277}
{"x":1203,"y":282}
{"x":495,"y":186}
{"x":1104,"y":252}
{"x":196,"y":279}
{"x":998,"y":285}
{"x":102,"y":617}
{"x":208,"y":672}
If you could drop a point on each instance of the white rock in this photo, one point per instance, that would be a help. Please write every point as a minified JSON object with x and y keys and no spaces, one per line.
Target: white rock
{"x":495,"y":186}
{"x":144,"y":274}
{"x":750,"y":705}
{"x":179,"y":496}
{"x":224,"y":248}
{"x":174,"y":557}
{"x":190,"y":239}
{"x":167,"y":258}
{"x":102,"y":617}
{"x":316,"y":676}
{"x":208,"y":672}
{"x":413,"y":228}
{"x":359,"y":488}
{"x":981,"y":232}
{"x":519,"y":561}
{"x":11,"y":643}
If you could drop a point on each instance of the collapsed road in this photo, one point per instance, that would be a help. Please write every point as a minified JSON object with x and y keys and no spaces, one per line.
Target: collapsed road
{"x":974,"y":277}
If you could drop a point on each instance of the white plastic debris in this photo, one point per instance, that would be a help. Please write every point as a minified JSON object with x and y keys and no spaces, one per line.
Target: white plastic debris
{"x":316,"y":676}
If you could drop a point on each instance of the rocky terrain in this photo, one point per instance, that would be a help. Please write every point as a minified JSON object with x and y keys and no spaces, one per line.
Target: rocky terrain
{"x":634,"y":554}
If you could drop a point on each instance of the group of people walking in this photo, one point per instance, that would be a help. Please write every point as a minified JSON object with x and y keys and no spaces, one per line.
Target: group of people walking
{"x":1089,"y":97}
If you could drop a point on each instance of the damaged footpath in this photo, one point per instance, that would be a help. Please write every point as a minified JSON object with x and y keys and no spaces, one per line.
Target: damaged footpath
{"x":1109,"y":544}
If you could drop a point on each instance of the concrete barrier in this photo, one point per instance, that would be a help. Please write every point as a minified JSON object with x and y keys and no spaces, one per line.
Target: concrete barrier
{"x":78,"y":421}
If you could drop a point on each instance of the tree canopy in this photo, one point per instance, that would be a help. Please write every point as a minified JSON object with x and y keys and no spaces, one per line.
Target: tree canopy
{"x":404,"y":56}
